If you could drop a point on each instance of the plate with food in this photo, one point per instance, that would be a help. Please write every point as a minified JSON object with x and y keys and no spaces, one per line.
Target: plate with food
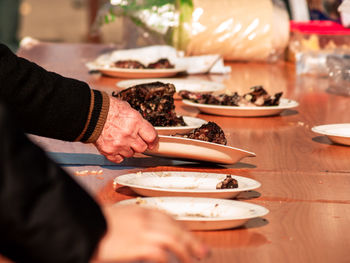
{"x":191,"y":123}
{"x":181,"y":148}
{"x":195,"y":184}
{"x":129,"y":68}
{"x":200,"y":213}
{"x":253,"y":104}
{"x":139,"y":73}
{"x":193,"y":85}
{"x":206,"y":143}
{"x":337,"y":133}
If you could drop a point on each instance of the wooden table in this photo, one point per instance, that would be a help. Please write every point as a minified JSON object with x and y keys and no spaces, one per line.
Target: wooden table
{"x":305,"y":178}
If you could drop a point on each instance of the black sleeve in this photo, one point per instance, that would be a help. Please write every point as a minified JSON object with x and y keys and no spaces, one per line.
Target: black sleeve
{"x":46,"y":103}
{"x":45,"y":216}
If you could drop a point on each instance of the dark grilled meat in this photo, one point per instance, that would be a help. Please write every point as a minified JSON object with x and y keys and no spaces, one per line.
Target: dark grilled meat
{"x":160,"y":64}
{"x":258,"y":97}
{"x":154,"y":101}
{"x":209,"y":132}
{"x":131,"y":64}
{"x":207,"y":98}
{"x":227,"y":183}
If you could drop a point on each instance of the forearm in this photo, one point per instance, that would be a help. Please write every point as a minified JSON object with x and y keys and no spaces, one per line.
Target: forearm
{"x":48,"y":104}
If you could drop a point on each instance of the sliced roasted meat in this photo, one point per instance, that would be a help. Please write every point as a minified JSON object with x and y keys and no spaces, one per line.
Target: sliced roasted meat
{"x":130,"y":64}
{"x":207,"y":98}
{"x":161,"y":64}
{"x":154,"y":101}
{"x":227,"y":183}
{"x":260,"y":97}
{"x":209,"y":132}
{"x":257,"y":97}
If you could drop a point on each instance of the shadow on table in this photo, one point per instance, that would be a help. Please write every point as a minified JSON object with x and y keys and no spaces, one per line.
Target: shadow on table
{"x":256,"y":222}
{"x":100,"y":160}
{"x":289,"y":112}
{"x":247,"y":195}
{"x":322,"y":139}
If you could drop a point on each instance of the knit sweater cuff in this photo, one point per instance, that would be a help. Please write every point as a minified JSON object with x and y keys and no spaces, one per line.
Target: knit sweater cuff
{"x":99,"y":106}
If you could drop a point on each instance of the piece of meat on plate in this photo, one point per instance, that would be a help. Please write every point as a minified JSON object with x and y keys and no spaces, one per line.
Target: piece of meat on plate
{"x":129,"y":64}
{"x":209,"y":132}
{"x":155,"y":102}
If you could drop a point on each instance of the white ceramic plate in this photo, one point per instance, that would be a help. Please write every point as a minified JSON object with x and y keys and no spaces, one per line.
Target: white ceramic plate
{"x":196,"y":150}
{"x":195,"y":184}
{"x":192,"y":123}
{"x":192,"y":85}
{"x":139,"y":73}
{"x":244,"y":111}
{"x":338,"y":133}
{"x":199,"y":213}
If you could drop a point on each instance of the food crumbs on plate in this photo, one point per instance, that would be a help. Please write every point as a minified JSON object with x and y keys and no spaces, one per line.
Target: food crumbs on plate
{"x":164,"y":174}
{"x":191,"y":187}
{"x":216,"y":205}
{"x":195,"y":215}
{"x":140,"y":201}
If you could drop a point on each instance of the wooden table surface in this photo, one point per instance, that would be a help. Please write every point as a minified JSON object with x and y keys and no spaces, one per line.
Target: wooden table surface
{"x":305,"y":178}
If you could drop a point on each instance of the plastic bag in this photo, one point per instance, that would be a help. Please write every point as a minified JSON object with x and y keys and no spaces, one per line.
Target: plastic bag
{"x":255,"y":30}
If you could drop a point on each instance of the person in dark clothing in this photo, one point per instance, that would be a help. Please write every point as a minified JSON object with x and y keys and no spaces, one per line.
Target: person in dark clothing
{"x":42,"y":211}
{"x":45,"y":216}
{"x":50,"y":105}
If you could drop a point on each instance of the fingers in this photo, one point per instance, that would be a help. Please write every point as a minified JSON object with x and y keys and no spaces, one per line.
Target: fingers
{"x":169,"y":233}
{"x":126,"y":152}
{"x":148,"y":134}
{"x":139,"y":145}
{"x":153,"y":254}
{"x":124,"y":133}
{"x":115,"y":158}
{"x":172,"y":243}
{"x":156,"y":236}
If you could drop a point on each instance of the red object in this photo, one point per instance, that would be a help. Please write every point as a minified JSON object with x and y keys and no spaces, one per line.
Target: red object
{"x":323,"y":27}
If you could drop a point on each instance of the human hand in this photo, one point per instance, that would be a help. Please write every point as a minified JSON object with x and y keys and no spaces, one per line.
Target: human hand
{"x":124,"y":133}
{"x":136,"y":233}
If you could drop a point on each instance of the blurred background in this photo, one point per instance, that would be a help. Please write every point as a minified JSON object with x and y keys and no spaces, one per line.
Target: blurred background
{"x":72,"y":20}
{"x":63,"y":21}
{"x":54,"y":21}
{"x":69,"y":20}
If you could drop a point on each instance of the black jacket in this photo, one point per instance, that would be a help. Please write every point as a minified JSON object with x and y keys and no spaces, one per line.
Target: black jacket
{"x":48,"y":104}
{"x":45,"y":216}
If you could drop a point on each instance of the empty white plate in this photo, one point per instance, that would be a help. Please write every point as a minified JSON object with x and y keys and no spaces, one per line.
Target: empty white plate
{"x":171,"y":183}
{"x":199,"y":213}
{"x":197,"y":150}
{"x":192,"y":123}
{"x":242,"y":111}
{"x":338,"y":133}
